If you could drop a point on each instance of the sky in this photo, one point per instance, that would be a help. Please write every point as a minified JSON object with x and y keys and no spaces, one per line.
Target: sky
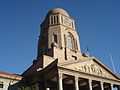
{"x":97,"y":23}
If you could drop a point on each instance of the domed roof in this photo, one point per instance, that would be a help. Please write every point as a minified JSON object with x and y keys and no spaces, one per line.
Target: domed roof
{"x":58,"y":10}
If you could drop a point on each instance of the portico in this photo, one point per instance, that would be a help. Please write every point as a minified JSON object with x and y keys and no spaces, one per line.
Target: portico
{"x":69,"y":82}
{"x":67,"y":79}
{"x":64,"y":78}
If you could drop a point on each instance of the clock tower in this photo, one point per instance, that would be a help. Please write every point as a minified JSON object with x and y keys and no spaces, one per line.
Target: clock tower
{"x":60,"y":65}
{"x":58,"y":37}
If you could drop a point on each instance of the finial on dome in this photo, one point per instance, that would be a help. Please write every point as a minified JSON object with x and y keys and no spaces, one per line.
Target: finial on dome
{"x":58,"y":10}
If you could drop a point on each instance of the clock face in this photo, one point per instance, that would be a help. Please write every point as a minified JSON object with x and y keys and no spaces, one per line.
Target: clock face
{"x":67,"y":22}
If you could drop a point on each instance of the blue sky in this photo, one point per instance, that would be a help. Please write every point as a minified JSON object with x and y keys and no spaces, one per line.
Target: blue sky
{"x":97,"y":23}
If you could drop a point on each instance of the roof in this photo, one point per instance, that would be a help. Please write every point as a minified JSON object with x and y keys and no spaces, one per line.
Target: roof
{"x":58,"y":10}
{"x":11,"y":74}
{"x":88,"y":59}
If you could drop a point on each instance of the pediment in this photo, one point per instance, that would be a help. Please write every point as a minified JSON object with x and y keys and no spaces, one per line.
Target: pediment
{"x":91,"y":66}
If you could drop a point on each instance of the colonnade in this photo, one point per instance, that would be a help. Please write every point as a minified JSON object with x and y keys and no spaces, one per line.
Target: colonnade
{"x":101,"y":85}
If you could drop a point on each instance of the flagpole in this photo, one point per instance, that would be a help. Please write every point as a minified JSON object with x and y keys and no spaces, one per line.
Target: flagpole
{"x":87,"y":50}
{"x":112,"y":63}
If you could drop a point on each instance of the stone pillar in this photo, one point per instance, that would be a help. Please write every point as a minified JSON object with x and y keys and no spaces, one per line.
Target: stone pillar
{"x":101,"y":85}
{"x":90,"y":84}
{"x":76,"y":83}
{"x":60,"y":84}
{"x":47,"y":88}
{"x":111,"y":86}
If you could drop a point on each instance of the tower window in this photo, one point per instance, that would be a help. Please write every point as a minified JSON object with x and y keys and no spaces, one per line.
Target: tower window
{"x":54,"y":19}
{"x":70,"y":41}
{"x":51,"y":20}
{"x":57,"y":19}
{"x":55,"y":38}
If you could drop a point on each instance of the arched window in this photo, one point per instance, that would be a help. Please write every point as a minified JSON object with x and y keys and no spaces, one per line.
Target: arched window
{"x":70,"y":41}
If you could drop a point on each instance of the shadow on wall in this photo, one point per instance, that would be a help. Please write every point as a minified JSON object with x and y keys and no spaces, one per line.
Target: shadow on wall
{"x":14,"y":86}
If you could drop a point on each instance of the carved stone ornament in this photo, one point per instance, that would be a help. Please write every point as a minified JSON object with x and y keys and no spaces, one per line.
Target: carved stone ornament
{"x":91,"y":69}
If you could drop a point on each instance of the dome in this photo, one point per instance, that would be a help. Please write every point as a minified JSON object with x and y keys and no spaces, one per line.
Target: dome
{"x":58,"y":10}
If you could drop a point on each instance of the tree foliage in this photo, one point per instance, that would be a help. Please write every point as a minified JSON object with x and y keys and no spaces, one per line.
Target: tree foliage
{"x":32,"y":87}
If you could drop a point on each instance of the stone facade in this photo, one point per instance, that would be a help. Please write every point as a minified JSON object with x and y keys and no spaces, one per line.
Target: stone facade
{"x":60,"y":65}
{"x":9,"y":81}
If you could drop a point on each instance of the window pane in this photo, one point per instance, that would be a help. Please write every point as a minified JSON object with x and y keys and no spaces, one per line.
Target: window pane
{"x":70,"y":42}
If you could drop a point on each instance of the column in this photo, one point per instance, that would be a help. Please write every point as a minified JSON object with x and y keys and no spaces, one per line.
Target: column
{"x":47,"y":88}
{"x":111,"y":86}
{"x":101,"y":85}
{"x":90,"y":84}
{"x":76,"y":83}
{"x":60,"y":84}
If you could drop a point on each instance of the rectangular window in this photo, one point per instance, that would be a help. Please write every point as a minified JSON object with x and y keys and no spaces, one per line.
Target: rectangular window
{"x":1,"y":85}
{"x":55,"y":38}
{"x":57,"y":19}
{"x":54,"y":19}
{"x":51,"y":20}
